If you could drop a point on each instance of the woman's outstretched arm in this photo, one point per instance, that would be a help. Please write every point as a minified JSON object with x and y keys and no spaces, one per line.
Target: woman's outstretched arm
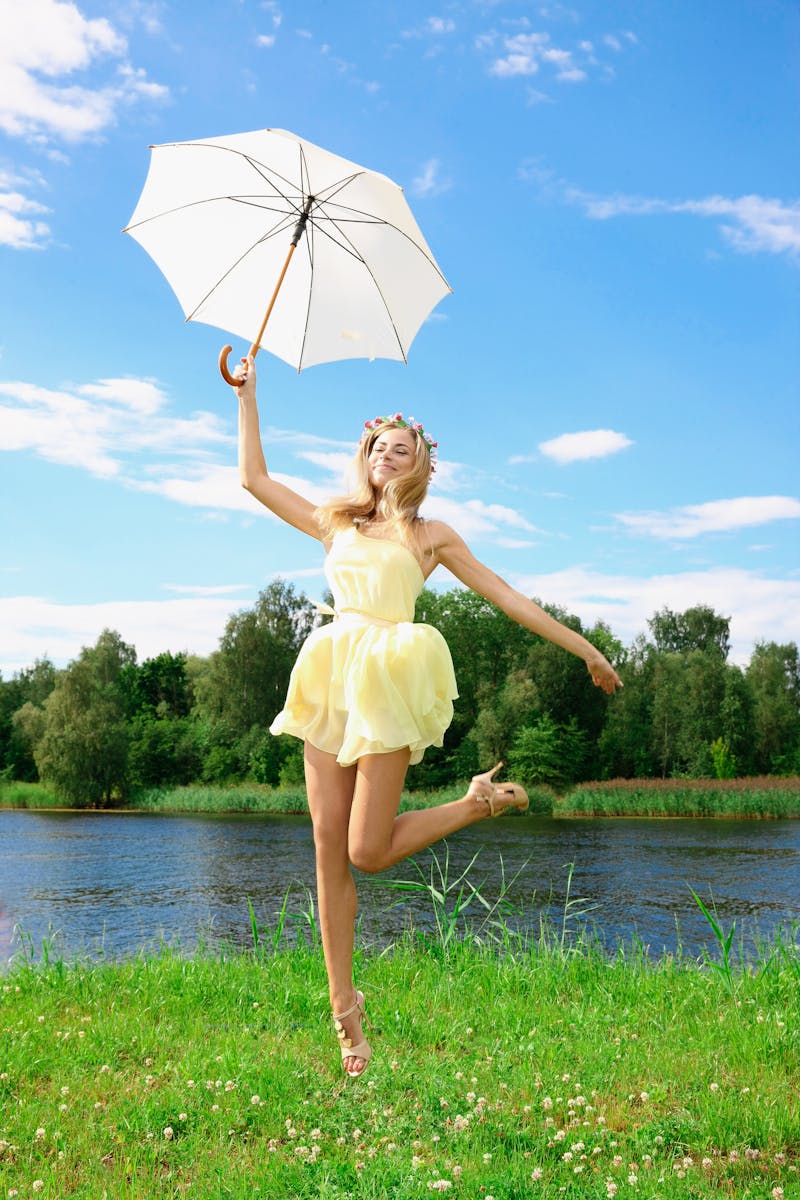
{"x":286,"y":504}
{"x":453,"y":553}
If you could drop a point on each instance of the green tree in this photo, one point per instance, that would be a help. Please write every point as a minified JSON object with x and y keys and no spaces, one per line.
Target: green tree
{"x":548,"y":752}
{"x":773,"y":675}
{"x":158,"y":687}
{"x":30,"y":686}
{"x":736,"y":719}
{"x":248,"y":675}
{"x":723,"y":759}
{"x":83,"y":748}
{"x":165,"y":743}
{"x":698,"y":628}
{"x":625,"y":744}
{"x":701,"y":703}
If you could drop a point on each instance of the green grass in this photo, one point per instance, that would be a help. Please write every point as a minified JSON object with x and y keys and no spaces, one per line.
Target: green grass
{"x":255,"y":798}
{"x":505,"y":1070}
{"x":16,"y":794}
{"x":766,"y":796}
{"x":762,"y":797}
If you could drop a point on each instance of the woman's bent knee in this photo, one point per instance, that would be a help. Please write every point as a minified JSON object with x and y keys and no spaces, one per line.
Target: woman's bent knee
{"x":369,"y":859}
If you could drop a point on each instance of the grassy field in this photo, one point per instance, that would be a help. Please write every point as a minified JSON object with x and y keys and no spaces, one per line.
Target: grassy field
{"x":502,"y":1070}
{"x":764,"y":797}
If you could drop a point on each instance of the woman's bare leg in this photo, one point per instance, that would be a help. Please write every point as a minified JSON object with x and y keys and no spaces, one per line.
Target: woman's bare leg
{"x":330,"y":797}
{"x":379,"y":838}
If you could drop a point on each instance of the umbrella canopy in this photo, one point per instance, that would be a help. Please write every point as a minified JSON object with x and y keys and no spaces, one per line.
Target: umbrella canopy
{"x":217,"y":216}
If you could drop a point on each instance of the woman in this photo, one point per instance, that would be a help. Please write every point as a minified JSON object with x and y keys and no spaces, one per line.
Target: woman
{"x":370,"y":691}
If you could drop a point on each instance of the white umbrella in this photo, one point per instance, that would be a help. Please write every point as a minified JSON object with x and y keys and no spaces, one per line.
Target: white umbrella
{"x":218,"y":215}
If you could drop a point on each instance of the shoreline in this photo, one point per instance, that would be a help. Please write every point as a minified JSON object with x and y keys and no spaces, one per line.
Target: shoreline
{"x":272,"y":812}
{"x":767,"y":798}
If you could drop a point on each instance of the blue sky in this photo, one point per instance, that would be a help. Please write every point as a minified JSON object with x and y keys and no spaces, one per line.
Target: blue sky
{"x":612,"y":192}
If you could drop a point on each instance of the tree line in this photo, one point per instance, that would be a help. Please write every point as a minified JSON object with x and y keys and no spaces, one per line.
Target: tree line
{"x":107,"y":725}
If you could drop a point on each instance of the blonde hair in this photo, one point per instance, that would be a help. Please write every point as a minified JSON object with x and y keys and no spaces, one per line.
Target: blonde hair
{"x":399,"y":502}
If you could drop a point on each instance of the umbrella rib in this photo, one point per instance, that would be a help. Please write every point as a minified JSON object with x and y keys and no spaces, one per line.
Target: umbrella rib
{"x":368,"y":218}
{"x":261,"y":169}
{"x":167,"y":212}
{"x":360,"y":258}
{"x":231,"y":268}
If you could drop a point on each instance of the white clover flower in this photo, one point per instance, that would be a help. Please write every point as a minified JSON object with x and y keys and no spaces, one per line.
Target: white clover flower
{"x":169,"y":1133}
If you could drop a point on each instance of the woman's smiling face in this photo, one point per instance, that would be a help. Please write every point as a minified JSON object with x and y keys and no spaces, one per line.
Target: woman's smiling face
{"x":393,"y":455}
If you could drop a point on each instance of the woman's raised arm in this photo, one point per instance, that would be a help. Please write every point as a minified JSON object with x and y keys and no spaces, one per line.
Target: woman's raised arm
{"x":453,"y":553}
{"x":288,"y":505}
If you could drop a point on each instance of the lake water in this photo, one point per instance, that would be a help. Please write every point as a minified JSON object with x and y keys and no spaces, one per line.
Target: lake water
{"x":113,"y":883}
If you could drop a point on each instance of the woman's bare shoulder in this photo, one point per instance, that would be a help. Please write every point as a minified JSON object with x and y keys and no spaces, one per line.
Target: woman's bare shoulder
{"x":440,"y":535}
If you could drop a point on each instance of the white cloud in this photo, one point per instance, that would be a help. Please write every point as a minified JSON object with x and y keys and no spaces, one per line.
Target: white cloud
{"x":474,"y":518}
{"x":750,"y":224}
{"x":265,"y":39}
{"x":274,"y":10}
{"x":761,"y":608}
{"x":440,"y":25}
{"x":513,"y":543}
{"x":18,"y":229}
{"x":98,"y":426}
{"x":535,"y":96}
{"x":222,"y":589}
{"x":216,"y":486}
{"x":716,"y":516}
{"x":525,"y":52}
{"x":33,"y":626}
{"x":46,"y":41}
{"x":430,"y":182}
{"x":576,"y":447}
{"x":335,"y":462}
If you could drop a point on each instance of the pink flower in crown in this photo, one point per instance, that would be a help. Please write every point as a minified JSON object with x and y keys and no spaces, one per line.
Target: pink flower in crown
{"x":397,"y":417}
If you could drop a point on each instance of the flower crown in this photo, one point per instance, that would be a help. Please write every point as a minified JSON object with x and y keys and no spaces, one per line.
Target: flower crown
{"x":401,"y":422}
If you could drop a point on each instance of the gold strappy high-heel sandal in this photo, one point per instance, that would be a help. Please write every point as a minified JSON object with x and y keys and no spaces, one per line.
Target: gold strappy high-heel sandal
{"x":503,"y":796}
{"x":363,"y":1048}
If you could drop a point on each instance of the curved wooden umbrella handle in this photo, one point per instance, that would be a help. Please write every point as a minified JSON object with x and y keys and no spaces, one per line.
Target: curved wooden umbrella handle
{"x":223,"y":366}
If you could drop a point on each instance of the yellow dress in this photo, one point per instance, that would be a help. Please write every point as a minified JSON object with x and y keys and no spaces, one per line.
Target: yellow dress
{"x":372,"y":680}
